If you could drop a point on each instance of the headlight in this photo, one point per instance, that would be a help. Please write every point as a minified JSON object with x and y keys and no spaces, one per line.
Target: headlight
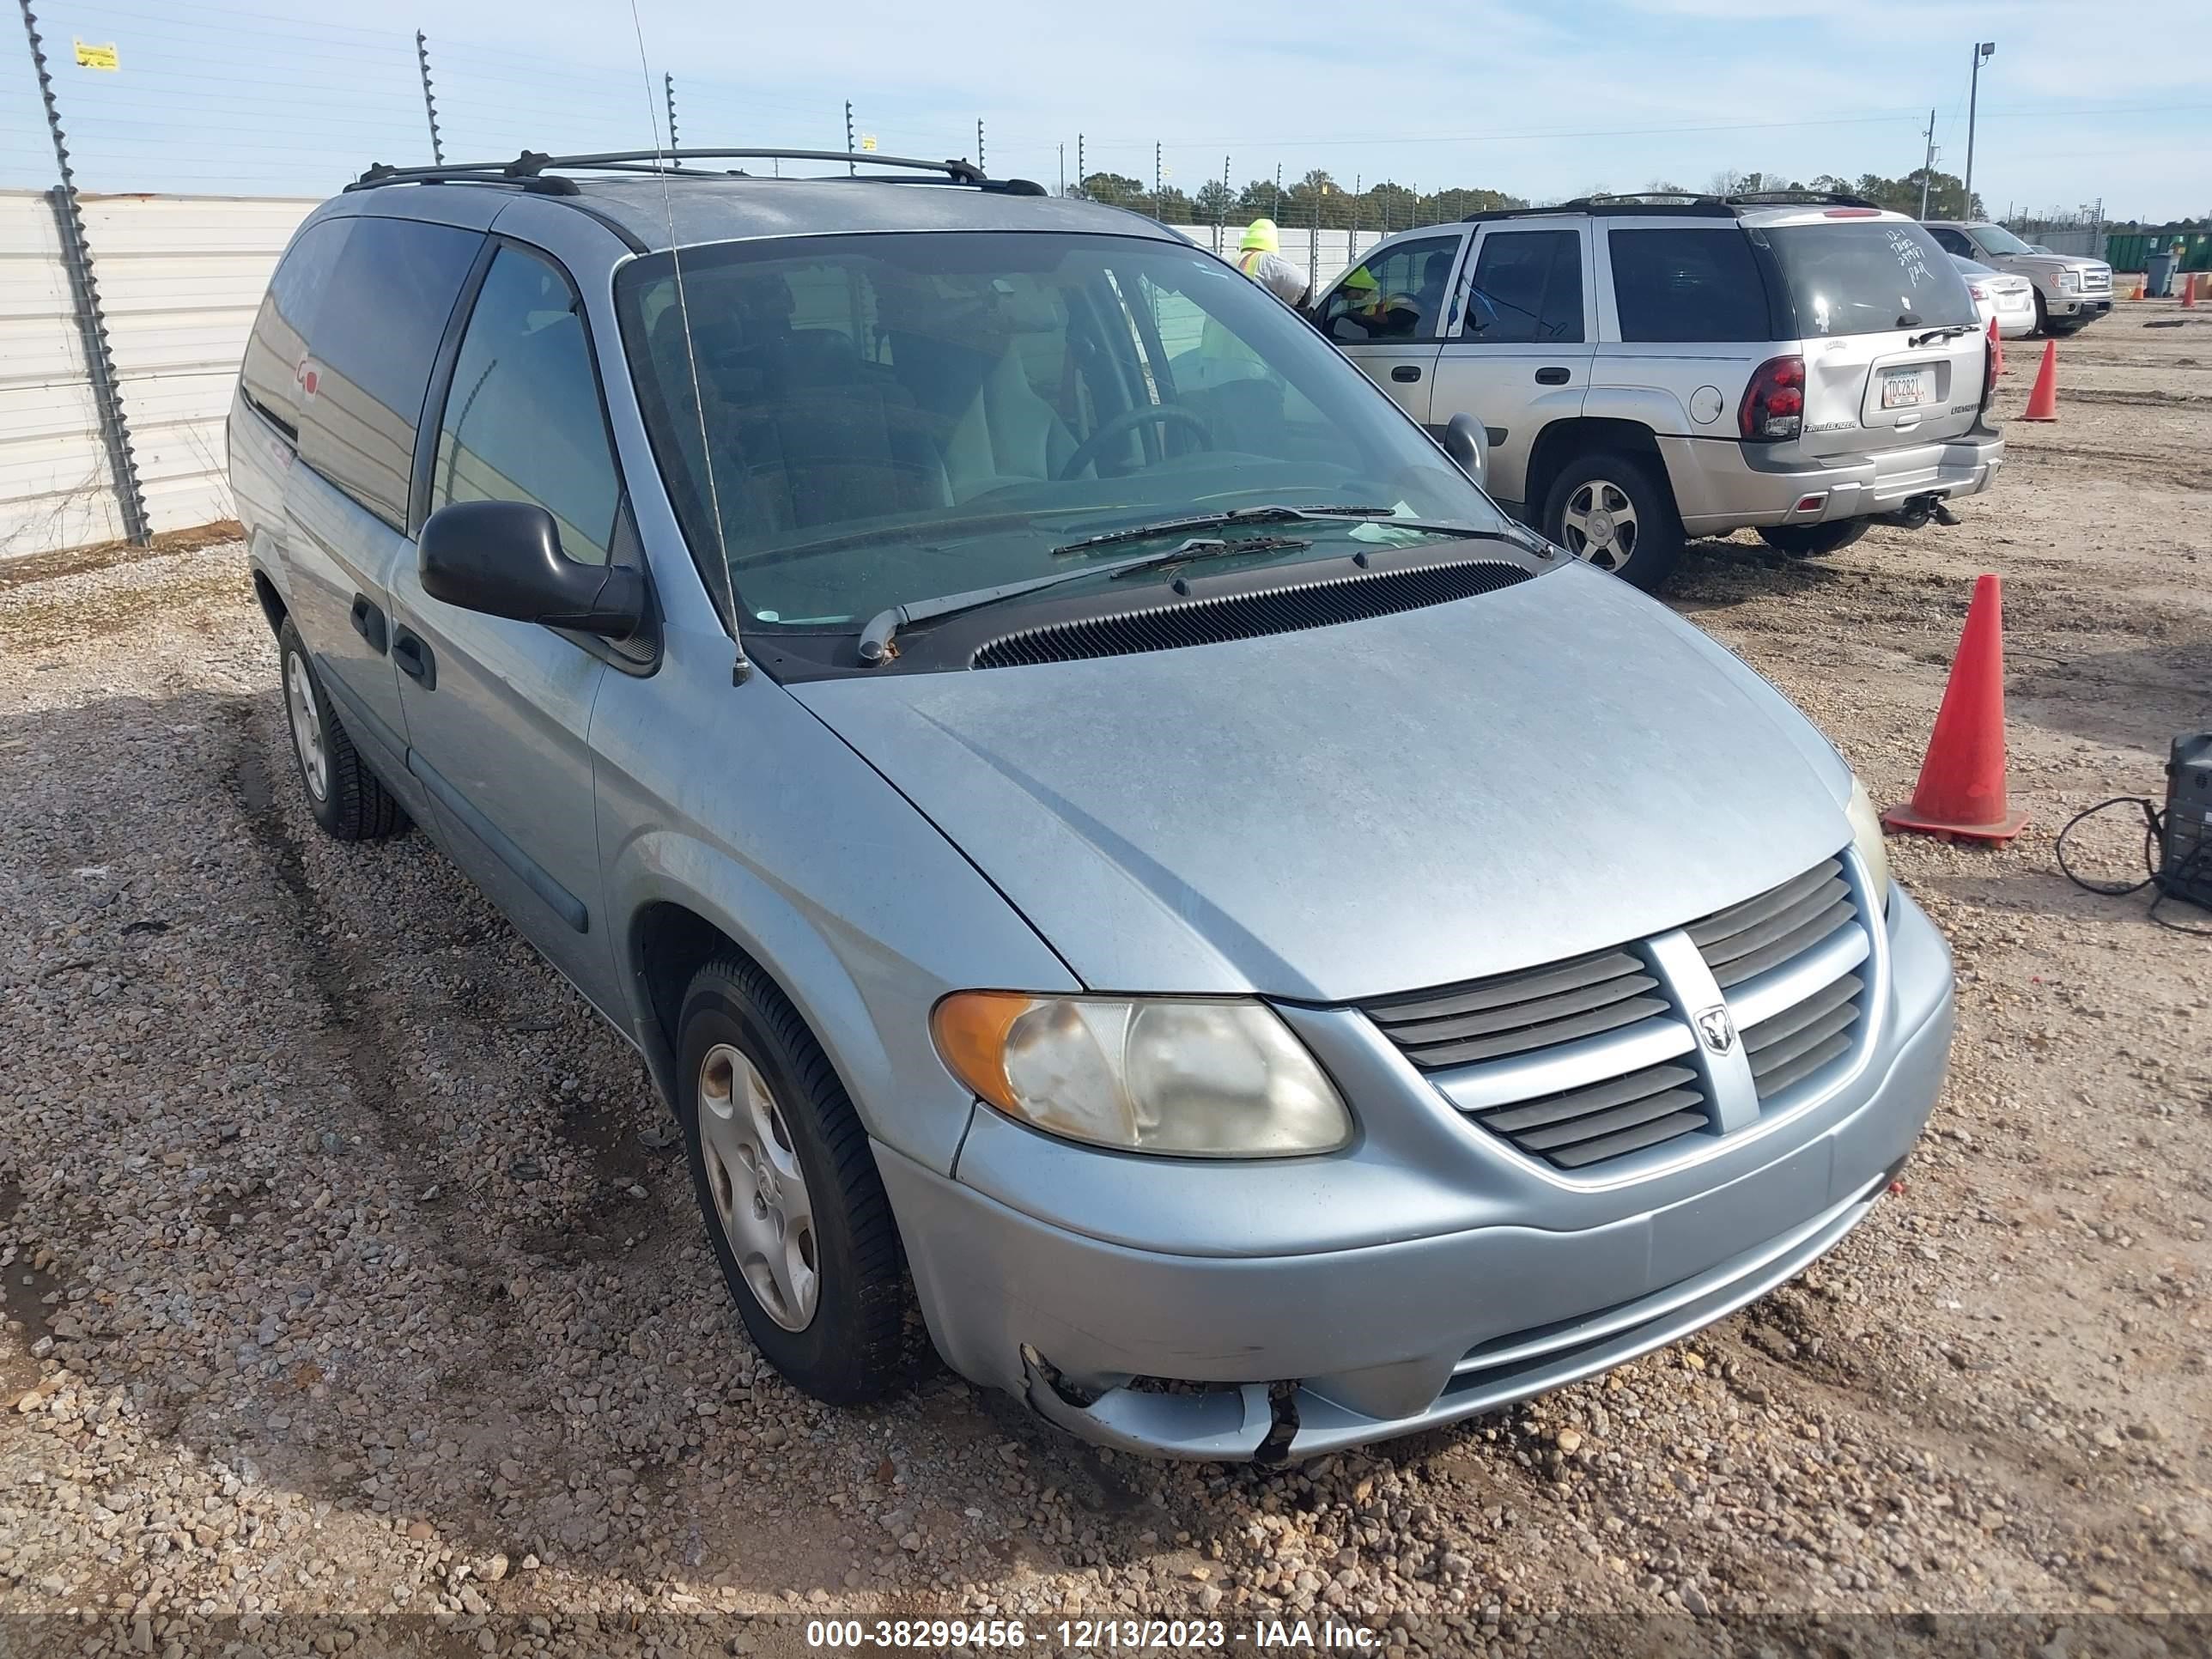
{"x":1866,"y":836}
{"x":1199,"y":1079}
{"x":2069,"y":279}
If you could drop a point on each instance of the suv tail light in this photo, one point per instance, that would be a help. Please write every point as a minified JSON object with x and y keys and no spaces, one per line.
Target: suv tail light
{"x":1774,"y":406}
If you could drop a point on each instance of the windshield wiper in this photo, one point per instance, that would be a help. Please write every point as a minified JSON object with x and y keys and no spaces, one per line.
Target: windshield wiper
{"x":876,"y":638}
{"x":1268,"y":514}
{"x":1951,"y":332}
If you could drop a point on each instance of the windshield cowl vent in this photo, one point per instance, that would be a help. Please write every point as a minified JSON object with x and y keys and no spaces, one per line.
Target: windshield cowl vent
{"x":1249,"y":616}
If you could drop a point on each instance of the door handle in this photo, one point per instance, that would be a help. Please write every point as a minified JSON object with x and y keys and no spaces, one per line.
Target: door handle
{"x":368,"y":622}
{"x":1553,"y":376}
{"x":1406,"y":372}
{"x":414,"y":656}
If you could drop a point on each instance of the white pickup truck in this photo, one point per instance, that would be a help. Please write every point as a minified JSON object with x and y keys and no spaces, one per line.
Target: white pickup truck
{"x":2071,"y":290}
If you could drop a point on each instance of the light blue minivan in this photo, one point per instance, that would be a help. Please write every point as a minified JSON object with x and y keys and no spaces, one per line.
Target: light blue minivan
{"x":1102,"y":833}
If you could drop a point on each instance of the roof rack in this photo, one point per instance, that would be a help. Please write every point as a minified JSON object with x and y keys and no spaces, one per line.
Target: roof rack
{"x":1681,"y":202}
{"x":528,"y":170}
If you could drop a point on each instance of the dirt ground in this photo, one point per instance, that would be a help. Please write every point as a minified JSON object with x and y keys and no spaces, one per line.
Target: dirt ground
{"x":355,"y":1299}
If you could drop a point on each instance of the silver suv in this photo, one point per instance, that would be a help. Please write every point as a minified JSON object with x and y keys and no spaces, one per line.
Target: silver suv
{"x":1652,"y":367}
{"x":1098,"y":829}
{"x":2071,"y":290}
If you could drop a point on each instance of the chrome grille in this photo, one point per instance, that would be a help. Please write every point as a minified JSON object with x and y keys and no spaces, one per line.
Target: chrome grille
{"x":1580,"y":1061}
{"x":1493,"y":1018}
{"x":1748,"y":939}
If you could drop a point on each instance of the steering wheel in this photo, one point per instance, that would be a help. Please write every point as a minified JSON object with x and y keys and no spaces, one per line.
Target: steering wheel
{"x":1127,"y":422}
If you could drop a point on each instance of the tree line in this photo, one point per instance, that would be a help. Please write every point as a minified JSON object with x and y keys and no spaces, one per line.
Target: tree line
{"x":1319,"y":198}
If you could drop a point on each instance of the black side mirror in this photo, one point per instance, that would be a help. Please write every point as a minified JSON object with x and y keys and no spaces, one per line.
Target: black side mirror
{"x":504,"y":559}
{"x":1466,"y":442}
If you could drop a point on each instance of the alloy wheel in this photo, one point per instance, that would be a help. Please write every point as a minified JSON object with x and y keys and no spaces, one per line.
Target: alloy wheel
{"x":306,"y":726}
{"x":759,"y":1187}
{"x":1599,"y":524}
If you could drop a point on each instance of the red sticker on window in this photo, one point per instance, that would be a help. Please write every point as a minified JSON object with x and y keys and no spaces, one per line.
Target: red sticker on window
{"x":307,"y":375}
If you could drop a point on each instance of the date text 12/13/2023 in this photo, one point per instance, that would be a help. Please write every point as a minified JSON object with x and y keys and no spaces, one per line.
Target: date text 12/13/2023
{"x":1092,"y":1634}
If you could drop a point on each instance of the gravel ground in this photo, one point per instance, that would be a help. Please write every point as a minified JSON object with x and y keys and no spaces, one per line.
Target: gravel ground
{"x":355,"y":1298}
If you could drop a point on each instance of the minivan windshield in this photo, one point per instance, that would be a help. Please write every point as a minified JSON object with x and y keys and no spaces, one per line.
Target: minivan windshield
{"x":1861,"y":277}
{"x":888,"y":418}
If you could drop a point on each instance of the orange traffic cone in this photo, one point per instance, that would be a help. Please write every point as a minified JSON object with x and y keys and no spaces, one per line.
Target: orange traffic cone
{"x":1996,"y":350}
{"x":2043,"y":398}
{"x":2189,"y":292}
{"x":1961,"y":792}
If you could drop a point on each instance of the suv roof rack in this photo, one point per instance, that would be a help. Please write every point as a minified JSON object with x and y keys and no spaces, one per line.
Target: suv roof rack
{"x":528,"y":170}
{"x":1682,"y":201}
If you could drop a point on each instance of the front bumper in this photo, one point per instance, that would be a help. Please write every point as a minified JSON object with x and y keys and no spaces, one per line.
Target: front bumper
{"x":1290,"y":1355}
{"x":2085,"y":307}
{"x":1722,"y":485}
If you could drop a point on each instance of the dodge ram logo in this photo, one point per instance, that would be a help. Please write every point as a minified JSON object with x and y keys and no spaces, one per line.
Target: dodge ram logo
{"x":1717,"y":1028}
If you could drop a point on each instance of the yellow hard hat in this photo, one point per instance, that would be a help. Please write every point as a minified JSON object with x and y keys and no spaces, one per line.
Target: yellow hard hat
{"x":1361,"y":279}
{"x":1262,"y":234}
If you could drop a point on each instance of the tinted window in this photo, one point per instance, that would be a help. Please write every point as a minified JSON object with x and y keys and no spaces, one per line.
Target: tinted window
{"x":1398,"y":295}
{"x":1954,"y":242}
{"x":1688,"y":285}
{"x":383,"y":307}
{"x":278,"y":345}
{"x":522,"y":420}
{"x":1861,"y":278}
{"x":1528,"y":289}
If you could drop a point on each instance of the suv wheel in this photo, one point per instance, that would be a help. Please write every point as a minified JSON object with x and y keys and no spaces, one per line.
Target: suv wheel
{"x":342,"y":793}
{"x":1810,"y":541}
{"x":784,"y":1177}
{"x":1613,"y":510}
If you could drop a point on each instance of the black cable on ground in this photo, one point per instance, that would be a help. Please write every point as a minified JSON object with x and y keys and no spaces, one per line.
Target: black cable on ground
{"x":2170,"y":883}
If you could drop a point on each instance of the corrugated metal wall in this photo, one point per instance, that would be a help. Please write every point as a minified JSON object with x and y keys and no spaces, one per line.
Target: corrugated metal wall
{"x":55,"y":490}
{"x":180,"y":280}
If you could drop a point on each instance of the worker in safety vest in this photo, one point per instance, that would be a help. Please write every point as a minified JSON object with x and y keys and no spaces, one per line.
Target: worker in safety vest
{"x":1260,"y":257}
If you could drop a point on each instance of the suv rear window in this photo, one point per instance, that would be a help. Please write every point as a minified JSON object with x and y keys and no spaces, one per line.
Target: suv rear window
{"x":1868,"y":278}
{"x":1688,"y":285}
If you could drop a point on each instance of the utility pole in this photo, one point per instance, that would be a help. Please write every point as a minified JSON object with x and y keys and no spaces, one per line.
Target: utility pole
{"x":668,"y":84}
{"x":1063,"y":169}
{"x":1928,"y":167}
{"x":979,"y":143}
{"x":430,"y":103}
{"x":1160,"y":207}
{"x":1221,"y":219}
{"x":92,"y":326}
{"x":1079,"y":174}
{"x":849,"y":167}
{"x":1351,"y":236}
{"x":1278,"y":213}
{"x":1983,"y":51}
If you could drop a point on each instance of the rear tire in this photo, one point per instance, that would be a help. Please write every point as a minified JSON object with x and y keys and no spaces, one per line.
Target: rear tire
{"x":1811,"y":541}
{"x":344,"y":795}
{"x":1613,"y":510}
{"x":2043,"y":316}
{"x":810,"y":1254}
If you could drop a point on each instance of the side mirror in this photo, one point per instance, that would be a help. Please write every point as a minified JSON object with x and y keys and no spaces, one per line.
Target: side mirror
{"x":1466,"y":442}
{"x":504,"y":559}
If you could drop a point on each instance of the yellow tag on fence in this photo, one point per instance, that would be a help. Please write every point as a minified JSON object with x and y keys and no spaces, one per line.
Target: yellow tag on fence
{"x":99,"y":58}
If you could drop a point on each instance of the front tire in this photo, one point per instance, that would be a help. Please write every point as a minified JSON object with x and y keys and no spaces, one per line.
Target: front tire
{"x":1615,"y":511}
{"x":788,"y":1186}
{"x":1811,"y":541}
{"x":344,"y":795}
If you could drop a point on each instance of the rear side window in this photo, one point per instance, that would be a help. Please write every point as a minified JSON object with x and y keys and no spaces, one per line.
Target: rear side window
{"x":1861,"y":278}
{"x":1954,"y":241}
{"x":522,"y":420}
{"x":375,"y":328}
{"x":1527,"y":289}
{"x":1692,"y":286}
{"x":277,"y":347}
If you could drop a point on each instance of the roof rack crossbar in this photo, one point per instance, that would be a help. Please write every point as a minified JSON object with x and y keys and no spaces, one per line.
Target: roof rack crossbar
{"x":1685,"y":201}
{"x":529,"y":169}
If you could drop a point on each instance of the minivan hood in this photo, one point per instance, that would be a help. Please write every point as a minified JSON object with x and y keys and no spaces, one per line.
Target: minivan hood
{"x":1375,"y":806}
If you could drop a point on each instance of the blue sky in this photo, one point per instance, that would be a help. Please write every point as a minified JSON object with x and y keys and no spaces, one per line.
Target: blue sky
{"x":258,"y":96}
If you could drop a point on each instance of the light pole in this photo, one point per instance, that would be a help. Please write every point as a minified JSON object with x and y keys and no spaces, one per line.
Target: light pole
{"x":1983,"y":51}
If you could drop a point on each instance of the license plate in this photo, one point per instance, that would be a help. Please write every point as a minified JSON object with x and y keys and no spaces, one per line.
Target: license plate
{"x":1907,"y":388}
